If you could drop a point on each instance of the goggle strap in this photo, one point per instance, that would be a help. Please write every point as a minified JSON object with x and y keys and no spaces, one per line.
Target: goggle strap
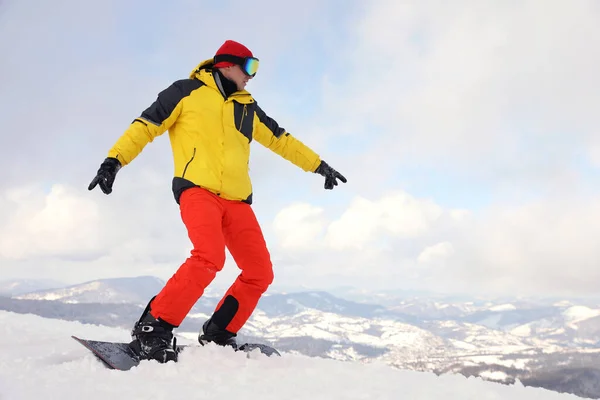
{"x":229,"y":58}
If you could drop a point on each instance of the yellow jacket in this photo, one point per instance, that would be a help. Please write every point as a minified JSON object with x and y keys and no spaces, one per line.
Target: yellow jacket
{"x":210,"y":136}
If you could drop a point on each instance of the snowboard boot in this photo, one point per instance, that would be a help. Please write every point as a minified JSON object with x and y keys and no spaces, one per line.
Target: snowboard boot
{"x":153,"y":339}
{"x":213,"y":333}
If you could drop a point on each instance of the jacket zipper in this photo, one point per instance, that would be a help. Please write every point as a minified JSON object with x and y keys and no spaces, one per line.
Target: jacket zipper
{"x":188,"y":163}
{"x":222,"y":148}
{"x":244,"y":113}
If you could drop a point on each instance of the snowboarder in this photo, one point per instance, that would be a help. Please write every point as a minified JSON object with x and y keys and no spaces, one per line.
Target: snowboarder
{"x":211,"y":120}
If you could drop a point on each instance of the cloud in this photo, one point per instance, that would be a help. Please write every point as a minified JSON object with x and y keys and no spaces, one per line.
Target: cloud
{"x":364,"y":223}
{"x":59,"y":223}
{"x":298,"y":226}
{"x":543,"y":247}
{"x":365,"y":243}
{"x":74,"y":83}
{"x":436,"y":252}
{"x":394,"y":241}
{"x":399,"y":215}
{"x":397,"y":240}
{"x":498,"y":91}
{"x":69,"y":233}
{"x":467,"y":133}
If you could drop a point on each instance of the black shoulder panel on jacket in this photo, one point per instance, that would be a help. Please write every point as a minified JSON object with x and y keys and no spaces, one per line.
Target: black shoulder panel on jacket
{"x":269,"y":122}
{"x":168,"y":99}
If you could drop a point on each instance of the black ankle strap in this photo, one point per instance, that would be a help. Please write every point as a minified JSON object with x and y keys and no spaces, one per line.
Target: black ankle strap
{"x":156,"y":328}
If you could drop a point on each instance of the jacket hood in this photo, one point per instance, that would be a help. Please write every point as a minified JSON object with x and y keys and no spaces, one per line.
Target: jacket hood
{"x":206,"y":64}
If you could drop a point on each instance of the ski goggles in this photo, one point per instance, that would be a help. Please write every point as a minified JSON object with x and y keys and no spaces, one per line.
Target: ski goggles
{"x":249,"y":64}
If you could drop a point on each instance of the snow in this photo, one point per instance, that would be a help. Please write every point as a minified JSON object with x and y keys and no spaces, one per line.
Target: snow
{"x":40,"y":360}
{"x":523,"y":331}
{"x":498,"y":359}
{"x":503,"y":307}
{"x":495,"y":376}
{"x":562,"y":303}
{"x":579,"y":313}
{"x":459,"y":344}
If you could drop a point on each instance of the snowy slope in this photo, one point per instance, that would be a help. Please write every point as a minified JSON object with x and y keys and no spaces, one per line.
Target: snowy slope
{"x":40,"y":360}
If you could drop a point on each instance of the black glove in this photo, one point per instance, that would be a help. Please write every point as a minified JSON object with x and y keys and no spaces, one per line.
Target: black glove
{"x":330,"y":175}
{"x":106,"y":175}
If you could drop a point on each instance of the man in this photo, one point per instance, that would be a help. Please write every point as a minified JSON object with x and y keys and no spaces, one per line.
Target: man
{"x":211,"y":121}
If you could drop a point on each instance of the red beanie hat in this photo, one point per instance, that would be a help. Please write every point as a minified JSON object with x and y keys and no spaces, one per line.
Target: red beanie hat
{"x":232,"y":48}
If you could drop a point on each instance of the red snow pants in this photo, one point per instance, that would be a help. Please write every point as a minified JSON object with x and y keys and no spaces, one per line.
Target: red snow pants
{"x":213,"y":223}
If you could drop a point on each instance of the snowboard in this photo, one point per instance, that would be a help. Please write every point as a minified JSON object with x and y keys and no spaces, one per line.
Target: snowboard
{"x":120,"y":356}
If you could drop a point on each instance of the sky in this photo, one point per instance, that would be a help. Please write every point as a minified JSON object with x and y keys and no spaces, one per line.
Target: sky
{"x":46,"y":363}
{"x":468,"y":133}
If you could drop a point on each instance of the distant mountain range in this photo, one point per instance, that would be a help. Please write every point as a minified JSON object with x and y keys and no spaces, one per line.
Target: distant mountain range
{"x":107,"y":291}
{"x":17,"y":287}
{"x":504,"y":340}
